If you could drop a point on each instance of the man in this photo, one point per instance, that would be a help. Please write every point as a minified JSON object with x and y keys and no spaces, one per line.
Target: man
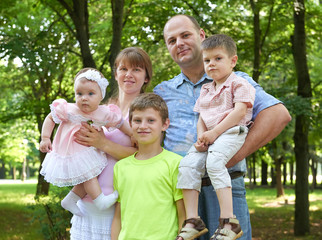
{"x":183,"y":37}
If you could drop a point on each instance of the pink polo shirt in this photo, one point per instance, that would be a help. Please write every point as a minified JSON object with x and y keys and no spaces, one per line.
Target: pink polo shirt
{"x":214,"y":105}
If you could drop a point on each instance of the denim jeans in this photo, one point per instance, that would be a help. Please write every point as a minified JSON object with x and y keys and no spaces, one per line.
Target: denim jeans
{"x":209,"y":209}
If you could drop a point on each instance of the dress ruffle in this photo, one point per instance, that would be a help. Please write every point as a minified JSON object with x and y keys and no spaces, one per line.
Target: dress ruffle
{"x":94,"y":225}
{"x":72,"y":170}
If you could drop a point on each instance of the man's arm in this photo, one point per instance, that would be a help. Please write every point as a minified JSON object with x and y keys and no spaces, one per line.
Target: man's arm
{"x":267,"y":125}
{"x":116,"y":223}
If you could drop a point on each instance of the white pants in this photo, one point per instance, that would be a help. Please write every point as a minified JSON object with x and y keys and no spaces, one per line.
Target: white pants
{"x":193,"y":166}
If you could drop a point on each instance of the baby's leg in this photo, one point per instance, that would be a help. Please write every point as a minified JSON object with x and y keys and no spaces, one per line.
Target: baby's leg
{"x":94,"y":190}
{"x":70,"y":201}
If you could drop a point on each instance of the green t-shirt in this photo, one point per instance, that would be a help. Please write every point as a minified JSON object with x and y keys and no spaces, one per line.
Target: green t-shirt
{"x":148,"y":195}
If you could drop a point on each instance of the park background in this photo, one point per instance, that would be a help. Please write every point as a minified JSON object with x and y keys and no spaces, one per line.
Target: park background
{"x":44,"y":43}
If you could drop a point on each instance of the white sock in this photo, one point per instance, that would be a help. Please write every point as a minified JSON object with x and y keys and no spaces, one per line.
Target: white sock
{"x":70,"y":203}
{"x":103,"y":202}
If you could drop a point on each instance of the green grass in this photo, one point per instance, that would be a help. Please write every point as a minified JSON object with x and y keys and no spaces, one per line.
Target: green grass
{"x":16,"y":214}
{"x":271,"y":218}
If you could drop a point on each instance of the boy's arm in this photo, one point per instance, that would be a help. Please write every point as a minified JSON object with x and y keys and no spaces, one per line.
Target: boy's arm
{"x":181,"y":213}
{"x":267,"y":125}
{"x":201,"y":128}
{"x":116,"y":223}
{"x":231,"y":120}
{"x":46,"y":131}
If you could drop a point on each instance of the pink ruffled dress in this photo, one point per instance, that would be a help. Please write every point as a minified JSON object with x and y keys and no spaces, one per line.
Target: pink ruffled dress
{"x":70,"y":163}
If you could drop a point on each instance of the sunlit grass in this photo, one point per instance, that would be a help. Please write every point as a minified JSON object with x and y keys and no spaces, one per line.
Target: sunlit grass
{"x":273,"y":218}
{"x":15,"y":212}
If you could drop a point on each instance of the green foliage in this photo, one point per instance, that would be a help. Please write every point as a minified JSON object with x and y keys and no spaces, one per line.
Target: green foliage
{"x":43,"y":38}
{"x":53,"y":218}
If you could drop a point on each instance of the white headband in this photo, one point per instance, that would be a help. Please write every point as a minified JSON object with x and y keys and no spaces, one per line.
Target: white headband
{"x":94,"y":75}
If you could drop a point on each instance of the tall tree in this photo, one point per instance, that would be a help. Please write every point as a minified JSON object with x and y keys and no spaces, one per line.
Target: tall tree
{"x":117,"y":19}
{"x":301,"y":148}
{"x":78,"y":12}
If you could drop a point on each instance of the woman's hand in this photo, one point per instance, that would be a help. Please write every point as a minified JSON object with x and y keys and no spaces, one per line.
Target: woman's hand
{"x":89,"y":136}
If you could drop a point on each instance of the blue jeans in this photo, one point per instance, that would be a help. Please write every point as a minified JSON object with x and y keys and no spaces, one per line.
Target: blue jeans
{"x":209,"y":209}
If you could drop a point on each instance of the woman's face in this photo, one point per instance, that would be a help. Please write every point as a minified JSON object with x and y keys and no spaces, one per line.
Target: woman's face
{"x":130,"y":78}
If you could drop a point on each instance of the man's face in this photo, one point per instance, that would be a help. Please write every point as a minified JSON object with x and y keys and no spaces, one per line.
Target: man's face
{"x":183,"y":41}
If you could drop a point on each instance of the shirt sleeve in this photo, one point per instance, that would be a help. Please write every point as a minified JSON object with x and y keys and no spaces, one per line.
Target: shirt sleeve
{"x":113,"y":116}
{"x":243,"y":92}
{"x":59,"y":110}
{"x":196,"y":108}
{"x":263,"y":100}
{"x":115,"y":180}
{"x":177,"y":193}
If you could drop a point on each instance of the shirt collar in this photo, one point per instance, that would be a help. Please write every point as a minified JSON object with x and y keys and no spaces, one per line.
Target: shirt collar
{"x":211,"y":86}
{"x":183,"y":78}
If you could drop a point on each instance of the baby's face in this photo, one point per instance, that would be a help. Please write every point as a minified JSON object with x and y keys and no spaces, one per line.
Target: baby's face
{"x":87,"y":95}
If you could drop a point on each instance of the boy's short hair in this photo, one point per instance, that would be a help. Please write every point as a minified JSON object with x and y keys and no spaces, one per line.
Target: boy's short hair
{"x":149,"y":100}
{"x":220,"y":40}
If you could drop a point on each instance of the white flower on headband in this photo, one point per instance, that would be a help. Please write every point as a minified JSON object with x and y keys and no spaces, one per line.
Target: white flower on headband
{"x":94,"y":75}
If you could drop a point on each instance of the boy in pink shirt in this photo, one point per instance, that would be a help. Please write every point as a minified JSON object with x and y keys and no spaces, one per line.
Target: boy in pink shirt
{"x":225,"y":110}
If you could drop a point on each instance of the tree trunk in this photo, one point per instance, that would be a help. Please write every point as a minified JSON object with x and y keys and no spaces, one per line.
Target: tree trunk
{"x":42,"y":185}
{"x":302,"y":123}
{"x":279,"y":185}
{"x":254,"y":168}
{"x":273,"y":176}
{"x":27,"y":169}
{"x":14,"y":177}
{"x":257,"y":41}
{"x":264,"y":173}
{"x":249,"y":172}
{"x":314,"y":168}
{"x":2,"y":170}
{"x":117,"y":19}
{"x":79,"y":15}
{"x":284,"y":174}
{"x":291,"y":172}
{"x":80,"y":19}
{"x":23,"y":169}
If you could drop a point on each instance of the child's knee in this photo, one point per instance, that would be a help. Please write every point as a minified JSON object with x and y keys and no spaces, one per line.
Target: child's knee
{"x":216,"y":161}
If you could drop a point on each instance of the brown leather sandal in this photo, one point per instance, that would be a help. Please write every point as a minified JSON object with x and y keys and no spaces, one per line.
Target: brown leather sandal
{"x":225,"y":234}
{"x":198,"y":230}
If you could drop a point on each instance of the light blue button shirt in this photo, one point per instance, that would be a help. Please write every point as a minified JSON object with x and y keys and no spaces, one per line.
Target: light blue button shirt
{"x":181,"y":95}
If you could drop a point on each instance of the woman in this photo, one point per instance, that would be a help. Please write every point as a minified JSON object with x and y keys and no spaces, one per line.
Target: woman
{"x":133,"y":72}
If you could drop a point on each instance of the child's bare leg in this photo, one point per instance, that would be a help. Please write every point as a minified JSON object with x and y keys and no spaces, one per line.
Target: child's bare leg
{"x":190,"y":198}
{"x":70,"y":201}
{"x":225,"y":200}
{"x":193,"y":226}
{"x":94,"y":190}
{"x":79,"y":190}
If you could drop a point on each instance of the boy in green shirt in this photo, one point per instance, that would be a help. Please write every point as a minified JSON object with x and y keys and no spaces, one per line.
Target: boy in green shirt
{"x":149,"y":205}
